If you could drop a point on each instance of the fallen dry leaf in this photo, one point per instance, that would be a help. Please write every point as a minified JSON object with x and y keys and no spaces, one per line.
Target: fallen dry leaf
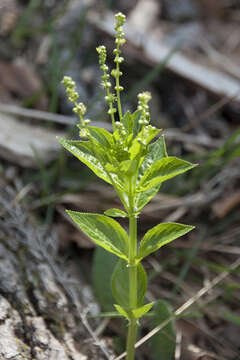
{"x":223,"y":207}
{"x":18,"y":81}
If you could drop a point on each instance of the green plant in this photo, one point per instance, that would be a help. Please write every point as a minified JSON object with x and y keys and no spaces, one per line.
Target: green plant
{"x":136,"y":167}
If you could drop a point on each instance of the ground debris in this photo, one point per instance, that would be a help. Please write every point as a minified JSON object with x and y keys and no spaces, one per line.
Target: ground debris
{"x":38,"y":318}
{"x":24,"y":144}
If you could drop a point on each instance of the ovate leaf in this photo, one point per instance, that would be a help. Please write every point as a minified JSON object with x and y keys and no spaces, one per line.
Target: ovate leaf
{"x":128,"y":122}
{"x":104,"y":231}
{"x":162,"y":170}
{"x":135,"y":149}
{"x":124,"y":312}
{"x":143,"y":197}
{"x":115,"y":213}
{"x":129,"y":167}
{"x":103,"y":266}
{"x":160,"y":235}
{"x":156,"y":151}
{"x":163,"y":343}
{"x":131,"y":122}
{"x":89,"y":155}
{"x":84,"y":152}
{"x":138,"y":312}
{"x":120,"y":284}
{"x":101,"y":136}
{"x":143,"y":310}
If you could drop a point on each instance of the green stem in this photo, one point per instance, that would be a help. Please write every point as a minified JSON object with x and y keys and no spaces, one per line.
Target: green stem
{"x":112,"y":117}
{"x":117,"y":88}
{"x":132,"y":268}
{"x":132,"y":255}
{"x":132,"y":333}
{"x":110,"y":106}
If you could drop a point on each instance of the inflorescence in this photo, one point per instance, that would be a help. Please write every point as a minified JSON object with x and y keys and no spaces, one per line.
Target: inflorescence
{"x":111,"y":97}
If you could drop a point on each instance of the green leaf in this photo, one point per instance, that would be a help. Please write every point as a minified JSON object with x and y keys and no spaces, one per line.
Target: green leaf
{"x":141,"y":311}
{"x":103,"y":266}
{"x":115,"y":213}
{"x":120,"y":284}
{"x":136,"y":126}
{"x":129,"y":167}
{"x":143,"y":197}
{"x":152,"y":133}
{"x":104,"y":231}
{"x":124,"y":312}
{"x":163,"y":343}
{"x":131,"y":122}
{"x":156,"y":151}
{"x":128,"y":122}
{"x":162,"y":170}
{"x":102,"y":136}
{"x":138,"y":313}
{"x":161,"y":235}
{"x":84,"y":152}
{"x":135,"y":149}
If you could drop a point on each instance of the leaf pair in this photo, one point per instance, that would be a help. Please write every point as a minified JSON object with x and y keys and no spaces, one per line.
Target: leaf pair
{"x":121,"y":290}
{"x":151,"y":165}
{"x":121,"y":286}
{"x":109,"y":234}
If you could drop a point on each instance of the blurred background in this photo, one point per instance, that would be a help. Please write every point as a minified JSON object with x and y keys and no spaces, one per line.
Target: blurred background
{"x":187,"y":53}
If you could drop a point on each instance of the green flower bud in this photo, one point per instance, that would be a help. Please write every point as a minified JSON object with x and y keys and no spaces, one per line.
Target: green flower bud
{"x":80,"y":109}
{"x":120,"y":19}
{"x":112,"y":111}
{"x":119,"y":88}
{"x":83,"y":133}
{"x":114,"y":72}
{"x":102,"y":54}
{"x":143,"y":99}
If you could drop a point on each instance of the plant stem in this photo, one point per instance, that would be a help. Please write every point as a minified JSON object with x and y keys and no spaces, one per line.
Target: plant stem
{"x":132,"y":329}
{"x":131,"y":340}
{"x":118,"y":95}
{"x":132,"y":266}
{"x":118,"y":85}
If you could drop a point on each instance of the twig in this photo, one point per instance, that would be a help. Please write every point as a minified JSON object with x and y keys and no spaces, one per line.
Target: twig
{"x":178,"y":345}
{"x":37,"y":114}
{"x":46,"y":116}
{"x":220,"y":59}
